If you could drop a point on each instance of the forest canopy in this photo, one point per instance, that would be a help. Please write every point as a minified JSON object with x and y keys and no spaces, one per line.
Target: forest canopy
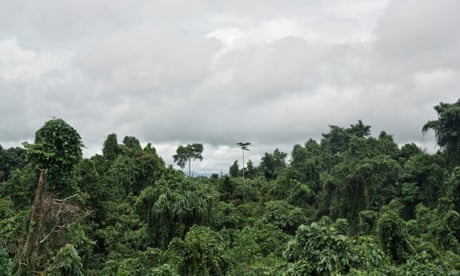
{"x":349,"y":203}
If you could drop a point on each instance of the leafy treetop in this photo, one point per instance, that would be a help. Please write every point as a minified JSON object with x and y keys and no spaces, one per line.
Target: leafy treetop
{"x":57,"y":148}
{"x":186,"y":153}
{"x":447,"y":130}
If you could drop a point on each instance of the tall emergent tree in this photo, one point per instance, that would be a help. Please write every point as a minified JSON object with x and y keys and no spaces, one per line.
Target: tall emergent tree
{"x":111,"y":149}
{"x":244,"y":147}
{"x":57,"y":148}
{"x":447,"y":130}
{"x":234,"y":169}
{"x":56,"y":151}
{"x":185,"y":154}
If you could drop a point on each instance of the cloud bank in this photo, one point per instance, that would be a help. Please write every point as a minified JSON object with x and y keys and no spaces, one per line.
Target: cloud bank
{"x":218,"y":72}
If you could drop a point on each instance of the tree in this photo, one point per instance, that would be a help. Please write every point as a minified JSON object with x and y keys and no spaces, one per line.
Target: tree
{"x":244,"y":147}
{"x":318,"y":250}
{"x":234,"y":169}
{"x":132,"y":144}
{"x":203,"y":252}
{"x":169,"y":209}
{"x":185,"y":154}
{"x":250,"y":170}
{"x":306,"y":162}
{"x":66,"y":262}
{"x":447,"y":130}
{"x":392,"y":236}
{"x":57,"y":148}
{"x":421,"y":180}
{"x":359,"y":130}
{"x":271,"y":164}
{"x":256,"y":250}
{"x":11,"y":159}
{"x":111,"y":149}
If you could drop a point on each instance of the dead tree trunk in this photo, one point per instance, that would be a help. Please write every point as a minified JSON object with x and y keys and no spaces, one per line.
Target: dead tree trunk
{"x":29,"y":255}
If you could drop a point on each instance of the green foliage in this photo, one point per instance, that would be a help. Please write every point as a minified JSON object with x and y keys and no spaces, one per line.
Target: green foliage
{"x":407,"y":151}
{"x":320,"y":250}
{"x":272,"y":164}
{"x":12,"y":231}
{"x":111,"y":149}
{"x":132,"y":144}
{"x":170,"y":209}
{"x":447,"y":130}
{"x":151,"y":261}
{"x":369,"y":184}
{"x":438,"y":226}
{"x":5,"y":208}
{"x":124,"y":172}
{"x":239,"y":190}
{"x":393,"y":236}
{"x":203,"y":253}
{"x":371,"y":208}
{"x":137,"y":169}
{"x":297,"y":193}
{"x":306,"y":164}
{"x":256,"y":249}
{"x":186,"y":153}
{"x":283,"y":215}
{"x":6,"y":264}
{"x":163,"y":270}
{"x":428,"y":262}
{"x":19,"y":188}
{"x":453,"y":188}
{"x":368,"y":257}
{"x":122,"y":235}
{"x":354,"y":186}
{"x":57,"y":148}
{"x":367,"y":222}
{"x":10,"y":160}
{"x":250,"y":171}
{"x":234,"y":169}
{"x":66,"y":262}
{"x":421,"y":180}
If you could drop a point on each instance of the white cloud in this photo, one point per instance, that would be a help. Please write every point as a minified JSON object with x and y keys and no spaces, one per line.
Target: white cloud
{"x":24,"y":65}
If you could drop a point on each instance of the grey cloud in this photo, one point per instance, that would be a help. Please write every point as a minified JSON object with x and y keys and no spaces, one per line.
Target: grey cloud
{"x":418,"y":28}
{"x":169,"y":73}
{"x":418,"y":36}
{"x":146,"y":58}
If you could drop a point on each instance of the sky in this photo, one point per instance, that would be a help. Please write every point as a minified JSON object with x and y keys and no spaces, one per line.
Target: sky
{"x":273,"y":73}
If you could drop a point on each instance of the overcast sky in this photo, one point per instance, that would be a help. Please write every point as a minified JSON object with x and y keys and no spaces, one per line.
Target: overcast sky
{"x":273,"y":73}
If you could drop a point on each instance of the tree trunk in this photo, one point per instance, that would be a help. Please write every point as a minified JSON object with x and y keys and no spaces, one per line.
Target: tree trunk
{"x":29,"y":254}
{"x":243,"y":164}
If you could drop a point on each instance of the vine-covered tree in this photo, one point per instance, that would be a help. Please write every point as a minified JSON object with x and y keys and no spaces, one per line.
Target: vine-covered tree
{"x":185,"y":154}
{"x":57,"y":148}
{"x":447,"y":130}
{"x":318,"y":250}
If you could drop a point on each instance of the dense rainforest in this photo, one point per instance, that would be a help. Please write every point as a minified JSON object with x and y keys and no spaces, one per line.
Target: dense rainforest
{"x":350,"y":203}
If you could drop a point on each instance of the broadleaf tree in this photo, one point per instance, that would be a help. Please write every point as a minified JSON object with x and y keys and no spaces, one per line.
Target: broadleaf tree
{"x":447,"y":130}
{"x":185,"y":154}
{"x":58,"y":148}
